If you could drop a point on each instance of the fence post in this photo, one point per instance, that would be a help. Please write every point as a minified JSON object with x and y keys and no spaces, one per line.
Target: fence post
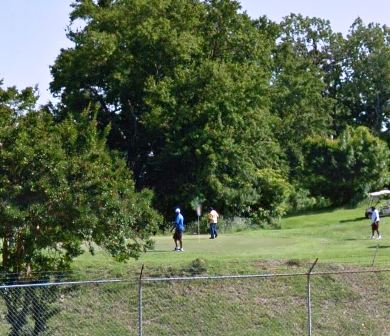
{"x":140,"y":301}
{"x":308,"y":297}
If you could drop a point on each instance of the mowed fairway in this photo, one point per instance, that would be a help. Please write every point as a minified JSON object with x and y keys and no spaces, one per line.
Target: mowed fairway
{"x":335,"y":236}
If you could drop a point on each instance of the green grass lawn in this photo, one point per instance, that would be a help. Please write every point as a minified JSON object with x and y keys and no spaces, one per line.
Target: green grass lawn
{"x":333,"y":236}
{"x":343,"y":304}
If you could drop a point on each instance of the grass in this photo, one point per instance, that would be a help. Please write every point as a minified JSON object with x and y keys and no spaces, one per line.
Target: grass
{"x":334,"y":236}
{"x":349,"y":304}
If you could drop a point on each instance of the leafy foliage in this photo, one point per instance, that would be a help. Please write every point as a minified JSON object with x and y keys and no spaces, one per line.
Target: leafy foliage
{"x":122,"y":45}
{"x":344,"y":169}
{"x":215,"y":136}
{"x":183,"y":92}
{"x":202,"y":99}
{"x":59,"y":188}
{"x":298,"y":87}
{"x":365,"y":88}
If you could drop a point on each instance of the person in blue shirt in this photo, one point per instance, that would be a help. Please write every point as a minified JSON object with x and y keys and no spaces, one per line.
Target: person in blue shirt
{"x":179,"y":229}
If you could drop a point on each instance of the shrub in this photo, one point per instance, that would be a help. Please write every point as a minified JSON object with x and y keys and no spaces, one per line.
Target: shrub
{"x":343,"y":170}
{"x":300,"y":200}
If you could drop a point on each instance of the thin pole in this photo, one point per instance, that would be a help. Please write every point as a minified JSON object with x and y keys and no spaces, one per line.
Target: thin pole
{"x":309,"y":323}
{"x":198,"y":229}
{"x":376,"y":252}
{"x":140,"y":302}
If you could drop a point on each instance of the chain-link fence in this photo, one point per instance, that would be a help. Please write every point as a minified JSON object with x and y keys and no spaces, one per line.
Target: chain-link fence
{"x":351,"y":303}
{"x":224,"y":306}
{"x":82,"y":308}
{"x":318,"y":301}
{"x":329,"y":302}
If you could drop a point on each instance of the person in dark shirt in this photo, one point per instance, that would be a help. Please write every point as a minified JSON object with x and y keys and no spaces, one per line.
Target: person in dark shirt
{"x":179,"y":229}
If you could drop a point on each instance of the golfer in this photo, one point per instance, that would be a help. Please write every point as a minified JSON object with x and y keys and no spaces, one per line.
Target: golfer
{"x":179,"y":229}
{"x":213,"y":220}
{"x":375,"y":223}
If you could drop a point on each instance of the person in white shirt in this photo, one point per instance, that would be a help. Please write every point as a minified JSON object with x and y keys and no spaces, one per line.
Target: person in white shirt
{"x":213,"y":220}
{"x":375,"y":223}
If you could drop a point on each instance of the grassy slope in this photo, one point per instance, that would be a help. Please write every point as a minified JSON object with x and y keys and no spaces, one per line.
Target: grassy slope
{"x":348,"y":305}
{"x":342,"y":305}
{"x":332,"y":236}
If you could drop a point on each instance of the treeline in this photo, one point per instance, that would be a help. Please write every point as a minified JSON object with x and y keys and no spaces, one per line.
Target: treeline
{"x":209,"y":105}
{"x":247,"y":115}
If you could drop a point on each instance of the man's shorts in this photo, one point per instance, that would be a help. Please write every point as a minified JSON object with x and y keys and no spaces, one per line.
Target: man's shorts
{"x":178,"y":235}
{"x":375,"y":226}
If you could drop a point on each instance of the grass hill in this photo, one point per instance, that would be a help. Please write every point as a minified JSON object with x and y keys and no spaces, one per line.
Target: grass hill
{"x":342,"y":303}
{"x":333,"y":236}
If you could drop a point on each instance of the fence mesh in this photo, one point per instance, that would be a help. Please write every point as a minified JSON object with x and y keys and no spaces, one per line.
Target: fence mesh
{"x":354,"y":303}
{"x":224,"y":307}
{"x":85,"y":309}
{"x":343,"y":301}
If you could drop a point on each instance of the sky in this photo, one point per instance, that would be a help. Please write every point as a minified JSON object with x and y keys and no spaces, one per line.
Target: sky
{"x":32,"y":33}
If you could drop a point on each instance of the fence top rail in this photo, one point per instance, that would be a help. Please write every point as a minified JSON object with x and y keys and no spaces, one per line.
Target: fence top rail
{"x":211,"y":277}
{"x":47,"y":284}
{"x":270,"y":275}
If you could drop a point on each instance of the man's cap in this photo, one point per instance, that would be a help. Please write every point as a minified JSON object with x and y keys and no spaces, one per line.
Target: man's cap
{"x":177,"y":210}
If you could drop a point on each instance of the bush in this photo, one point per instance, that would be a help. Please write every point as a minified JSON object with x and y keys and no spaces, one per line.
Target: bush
{"x":197,"y":266}
{"x":235,"y":224}
{"x":343,"y":170}
{"x":300,"y":200}
{"x":267,"y":219}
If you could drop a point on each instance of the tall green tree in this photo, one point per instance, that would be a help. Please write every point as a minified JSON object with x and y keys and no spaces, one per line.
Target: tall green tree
{"x":60,"y":189}
{"x":149,"y":67}
{"x":297,"y":85}
{"x":214,"y":137}
{"x":122,"y":44}
{"x":365,"y":88}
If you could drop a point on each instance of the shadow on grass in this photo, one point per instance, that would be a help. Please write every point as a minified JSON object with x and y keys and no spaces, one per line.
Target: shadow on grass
{"x":380,"y":247}
{"x":159,"y":251}
{"x":357,"y":219}
{"x":311,"y":212}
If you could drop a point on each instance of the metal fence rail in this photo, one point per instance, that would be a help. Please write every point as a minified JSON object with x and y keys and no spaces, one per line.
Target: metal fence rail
{"x":327,"y":302}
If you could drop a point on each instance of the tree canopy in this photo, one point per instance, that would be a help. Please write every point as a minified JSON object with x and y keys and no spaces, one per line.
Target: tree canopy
{"x":60,"y":188}
{"x":201,"y":98}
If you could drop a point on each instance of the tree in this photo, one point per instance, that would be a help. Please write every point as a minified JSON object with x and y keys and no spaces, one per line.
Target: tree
{"x":346,"y":168}
{"x":365,"y":77}
{"x":61,"y":189}
{"x":214,"y":137}
{"x":149,"y":63}
{"x":122,"y":44}
{"x":297,"y":84}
